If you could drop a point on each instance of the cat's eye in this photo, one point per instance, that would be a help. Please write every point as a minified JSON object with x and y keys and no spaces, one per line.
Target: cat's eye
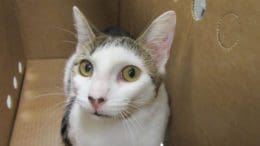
{"x":85,"y":68}
{"x":131,"y":73}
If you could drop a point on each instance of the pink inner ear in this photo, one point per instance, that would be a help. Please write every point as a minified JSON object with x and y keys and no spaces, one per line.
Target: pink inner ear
{"x":159,"y":49}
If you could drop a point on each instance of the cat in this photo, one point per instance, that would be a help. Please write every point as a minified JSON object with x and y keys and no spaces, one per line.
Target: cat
{"x":114,"y":84}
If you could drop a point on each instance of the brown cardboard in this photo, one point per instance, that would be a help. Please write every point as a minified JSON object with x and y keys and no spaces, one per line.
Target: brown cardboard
{"x":47,"y":27}
{"x":213,"y":73}
{"x":41,"y":105}
{"x":11,"y":52}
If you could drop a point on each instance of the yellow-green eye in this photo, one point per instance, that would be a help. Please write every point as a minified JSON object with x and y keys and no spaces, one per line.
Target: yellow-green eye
{"x":131,"y":73}
{"x":85,"y":68}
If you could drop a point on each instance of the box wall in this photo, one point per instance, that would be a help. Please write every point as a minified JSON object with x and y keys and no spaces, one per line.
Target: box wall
{"x":11,"y":52}
{"x":213,"y":72}
{"x":47,"y":27}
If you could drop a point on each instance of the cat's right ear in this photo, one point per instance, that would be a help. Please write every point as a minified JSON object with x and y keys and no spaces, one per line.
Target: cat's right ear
{"x":84,"y":31}
{"x":158,"y":37}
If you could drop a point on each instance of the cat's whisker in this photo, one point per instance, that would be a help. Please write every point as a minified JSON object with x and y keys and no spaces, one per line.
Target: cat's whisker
{"x":45,"y":94}
{"x":60,"y":103}
{"x":136,"y":121}
{"x":128,"y":101}
{"x":53,"y":111}
{"x":129,"y":119}
{"x":134,"y":106}
{"x":129,"y":105}
{"x":70,"y":42}
{"x":129,"y":129}
{"x":125,"y":127}
{"x":66,"y":30}
{"x":47,"y":90}
{"x":117,"y":104}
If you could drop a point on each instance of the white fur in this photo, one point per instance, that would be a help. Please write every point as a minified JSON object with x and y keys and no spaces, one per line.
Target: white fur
{"x":144,"y":128}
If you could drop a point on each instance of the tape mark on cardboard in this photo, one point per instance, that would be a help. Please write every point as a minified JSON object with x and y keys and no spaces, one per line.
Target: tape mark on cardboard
{"x":227,"y":31}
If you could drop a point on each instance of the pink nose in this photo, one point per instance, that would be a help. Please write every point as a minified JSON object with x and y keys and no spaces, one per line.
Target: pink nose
{"x":96,"y":103}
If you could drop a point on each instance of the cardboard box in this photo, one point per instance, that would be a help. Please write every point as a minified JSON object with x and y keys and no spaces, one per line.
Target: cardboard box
{"x":212,"y":75}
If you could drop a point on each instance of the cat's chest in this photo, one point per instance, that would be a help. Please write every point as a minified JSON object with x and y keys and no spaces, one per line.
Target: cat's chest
{"x":117,"y":135}
{"x":135,"y":131}
{"x":127,"y":133}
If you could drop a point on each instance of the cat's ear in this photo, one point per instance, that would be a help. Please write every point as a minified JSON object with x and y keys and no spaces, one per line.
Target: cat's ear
{"x":84,"y":31}
{"x":158,"y":37}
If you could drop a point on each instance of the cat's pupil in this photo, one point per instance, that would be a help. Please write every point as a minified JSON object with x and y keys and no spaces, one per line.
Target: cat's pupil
{"x":131,"y":72}
{"x":88,"y":67}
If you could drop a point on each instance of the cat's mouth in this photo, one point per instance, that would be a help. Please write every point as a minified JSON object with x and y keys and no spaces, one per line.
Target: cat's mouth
{"x":101,"y":115}
{"x":121,"y":116}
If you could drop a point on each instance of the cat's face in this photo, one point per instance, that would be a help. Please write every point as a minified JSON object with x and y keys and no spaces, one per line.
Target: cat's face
{"x":118,"y":76}
{"x":114,"y":77}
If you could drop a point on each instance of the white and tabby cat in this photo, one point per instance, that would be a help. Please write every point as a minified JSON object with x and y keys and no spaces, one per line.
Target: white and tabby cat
{"x":114,"y":84}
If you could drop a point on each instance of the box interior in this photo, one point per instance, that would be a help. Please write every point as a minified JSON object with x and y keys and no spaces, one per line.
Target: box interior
{"x":212,"y":75}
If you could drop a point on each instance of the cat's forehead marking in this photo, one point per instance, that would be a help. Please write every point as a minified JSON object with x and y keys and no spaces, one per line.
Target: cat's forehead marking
{"x":126,"y":42}
{"x":128,"y":45}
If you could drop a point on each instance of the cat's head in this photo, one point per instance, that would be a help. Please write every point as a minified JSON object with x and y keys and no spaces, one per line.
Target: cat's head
{"x":115,"y":76}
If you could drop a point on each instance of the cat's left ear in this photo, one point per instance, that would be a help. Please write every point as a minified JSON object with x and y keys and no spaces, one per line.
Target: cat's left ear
{"x":158,"y":38}
{"x":84,"y":31}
